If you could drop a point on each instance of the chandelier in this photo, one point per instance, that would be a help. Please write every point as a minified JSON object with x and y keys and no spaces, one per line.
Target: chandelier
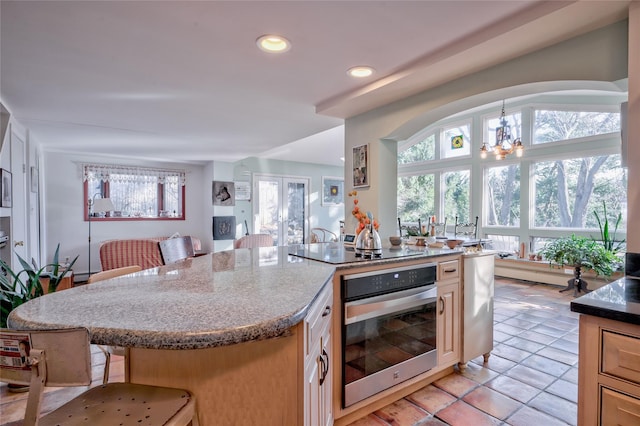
{"x":504,"y":144}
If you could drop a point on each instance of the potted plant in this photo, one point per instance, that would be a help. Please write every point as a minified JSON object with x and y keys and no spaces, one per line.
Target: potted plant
{"x":580,"y":252}
{"x":19,"y":287}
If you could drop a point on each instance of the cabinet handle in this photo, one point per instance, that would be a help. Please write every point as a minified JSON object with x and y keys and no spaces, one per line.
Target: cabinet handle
{"x":450,"y":270}
{"x":324,"y":360}
{"x":327,"y":311}
{"x":442,"y":302}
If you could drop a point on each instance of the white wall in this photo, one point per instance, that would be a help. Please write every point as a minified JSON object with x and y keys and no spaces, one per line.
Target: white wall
{"x":63,"y":214}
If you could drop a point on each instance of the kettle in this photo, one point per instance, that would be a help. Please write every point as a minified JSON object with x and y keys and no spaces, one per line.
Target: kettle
{"x":368,"y":243}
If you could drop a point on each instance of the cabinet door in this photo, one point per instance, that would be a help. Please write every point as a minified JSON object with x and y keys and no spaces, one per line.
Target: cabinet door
{"x":448,"y":323}
{"x":312,"y":375}
{"x":326,"y":409}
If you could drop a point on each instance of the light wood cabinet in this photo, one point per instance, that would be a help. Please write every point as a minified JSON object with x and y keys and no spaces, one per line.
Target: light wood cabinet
{"x":609,"y":372}
{"x":318,"y":362}
{"x":448,"y":322}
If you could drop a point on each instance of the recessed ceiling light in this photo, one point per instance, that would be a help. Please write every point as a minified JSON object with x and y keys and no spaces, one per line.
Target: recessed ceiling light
{"x":360,"y":71}
{"x":273,"y":43}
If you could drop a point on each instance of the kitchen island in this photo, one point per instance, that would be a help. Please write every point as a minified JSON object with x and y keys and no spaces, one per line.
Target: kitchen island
{"x":236,"y":328}
{"x":609,"y":348}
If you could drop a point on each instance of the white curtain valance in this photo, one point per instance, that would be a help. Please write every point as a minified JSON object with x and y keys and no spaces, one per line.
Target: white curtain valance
{"x":124,"y":174}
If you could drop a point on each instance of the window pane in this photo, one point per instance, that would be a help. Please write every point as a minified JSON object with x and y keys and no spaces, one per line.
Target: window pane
{"x":423,"y":151}
{"x":456,"y":196}
{"x":503,"y":195}
{"x":551,"y":126}
{"x":568,"y":191}
{"x":172,"y":196}
{"x":456,"y":141}
{"x":135,"y":198}
{"x":415,"y":197}
{"x":505,"y":243}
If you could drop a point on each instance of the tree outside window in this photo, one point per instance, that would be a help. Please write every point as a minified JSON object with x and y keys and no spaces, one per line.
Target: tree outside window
{"x":568,"y":191}
{"x":456,"y":196}
{"x":416,"y":197}
{"x":555,"y":125}
{"x":502,"y":194}
{"x":424,"y":150}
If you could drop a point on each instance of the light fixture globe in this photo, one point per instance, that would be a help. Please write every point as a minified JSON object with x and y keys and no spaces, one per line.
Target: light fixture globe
{"x":360,"y":71}
{"x":504,"y":144}
{"x":272,"y":43}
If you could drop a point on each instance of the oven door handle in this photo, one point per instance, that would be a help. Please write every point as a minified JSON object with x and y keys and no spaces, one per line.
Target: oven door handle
{"x":365,"y":309}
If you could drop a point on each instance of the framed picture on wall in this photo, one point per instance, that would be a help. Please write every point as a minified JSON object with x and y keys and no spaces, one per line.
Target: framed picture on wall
{"x":361,"y":166}
{"x":5,"y":191}
{"x":243,"y":191}
{"x":332,"y":191}
{"x":223,"y":193}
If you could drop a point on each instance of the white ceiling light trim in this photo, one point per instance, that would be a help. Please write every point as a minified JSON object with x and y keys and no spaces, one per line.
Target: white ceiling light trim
{"x":360,"y":71}
{"x":272,"y":43}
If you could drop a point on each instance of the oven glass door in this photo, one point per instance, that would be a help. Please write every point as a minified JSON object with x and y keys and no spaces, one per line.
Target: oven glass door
{"x":388,"y":331}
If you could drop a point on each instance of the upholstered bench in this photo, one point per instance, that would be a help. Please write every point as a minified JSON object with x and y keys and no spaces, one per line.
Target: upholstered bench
{"x":144,"y":252}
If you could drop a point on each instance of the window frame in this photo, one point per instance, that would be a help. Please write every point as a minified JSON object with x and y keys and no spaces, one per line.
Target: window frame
{"x":104,"y":192}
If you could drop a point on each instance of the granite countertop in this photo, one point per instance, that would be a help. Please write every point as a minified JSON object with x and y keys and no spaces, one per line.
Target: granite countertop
{"x":619,"y":300}
{"x":214,"y":300}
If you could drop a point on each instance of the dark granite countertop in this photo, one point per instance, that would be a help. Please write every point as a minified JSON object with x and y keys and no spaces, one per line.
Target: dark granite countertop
{"x":618,"y":301}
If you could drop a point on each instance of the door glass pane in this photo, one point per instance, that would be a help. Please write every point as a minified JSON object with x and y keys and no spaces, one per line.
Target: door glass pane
{"x":456,"y":196}
{"x":456,"y":141}
{"x":503,"y":195}
{"x":268,"y":212}
{"x":416,"y":197}
{"x":295,"y":212}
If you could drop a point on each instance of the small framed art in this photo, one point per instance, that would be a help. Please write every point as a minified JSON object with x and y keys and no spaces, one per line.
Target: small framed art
{"x":5,"y":191}
{"x":332,"y":191}
{"x":361,"y":166}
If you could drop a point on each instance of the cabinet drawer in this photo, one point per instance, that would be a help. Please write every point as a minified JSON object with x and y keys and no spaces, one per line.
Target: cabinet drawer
{"x":319,"y":317}
{"x":621,"y":356}
{"x":619,"y":409}
{"x":449,"y":269}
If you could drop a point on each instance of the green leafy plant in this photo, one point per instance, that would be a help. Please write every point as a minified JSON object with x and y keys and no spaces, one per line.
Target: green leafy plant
{"x":19,"y":287}
{"x":581,"y":252}
{"x":607,"y":237}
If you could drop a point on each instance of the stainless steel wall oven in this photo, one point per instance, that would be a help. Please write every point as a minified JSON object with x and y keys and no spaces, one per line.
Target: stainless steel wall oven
{"x":388,"y":328}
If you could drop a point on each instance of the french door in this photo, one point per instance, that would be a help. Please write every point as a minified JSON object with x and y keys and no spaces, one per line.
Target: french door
{"x":281,"y":207}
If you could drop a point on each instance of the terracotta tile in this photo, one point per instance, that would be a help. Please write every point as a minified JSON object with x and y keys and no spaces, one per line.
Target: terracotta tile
{"x":511,"y":353}
{"x":455,"y":384}
{"x":401,"y":413}
{"x":524,"y":344}
{"x":545,"y":339}
{"x":500,"y":317}
{"x":565,"y":345}
{"x":507,"y":329}
{"x":564,"y":389}
{"x":571,"y":375}
{"x":491,"y":402}
{"x":562,"y":325}
{"x":530,"y":376}
{"x":432,"y":421}
{"x":495,"y":363}
{"x":572,"y":337}
{"x":527,"y":416}
{"x":559,"y":355}
{"x":543,"y":312}
{"x":462,"y":414}
{"x":370,"y":420}
{"x":431,"y":399}
{"x":546,"y":365}
{"x":500,"y":337}
{"x":550,"y":331}
{"x":521,"y":323}
{"x":478,"y":373}
{"x":555,"y":406}
{"x":513,"y":388}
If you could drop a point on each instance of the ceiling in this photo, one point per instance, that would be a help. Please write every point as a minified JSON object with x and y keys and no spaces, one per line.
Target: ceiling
{"x":184,"y":81}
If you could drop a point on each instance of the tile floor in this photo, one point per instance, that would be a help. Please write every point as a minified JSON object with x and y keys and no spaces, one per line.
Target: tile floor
{"x":530,"y":379}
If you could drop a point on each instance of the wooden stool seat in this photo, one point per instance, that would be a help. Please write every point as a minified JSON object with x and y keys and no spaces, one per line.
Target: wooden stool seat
{"x":125,"y":404}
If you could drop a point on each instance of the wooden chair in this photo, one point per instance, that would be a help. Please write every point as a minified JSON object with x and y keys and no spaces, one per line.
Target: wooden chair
{"x":63,"y":358}
{"x":254,"y":240}
{"x":176,"y":249}
{"x":112,"y":273}
{"x":322,"y":235}
{"x":109,"y":350}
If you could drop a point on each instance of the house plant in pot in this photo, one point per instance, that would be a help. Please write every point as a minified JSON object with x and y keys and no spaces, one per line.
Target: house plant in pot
{"x":19,"y":287}
{"x":580,"y":252}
